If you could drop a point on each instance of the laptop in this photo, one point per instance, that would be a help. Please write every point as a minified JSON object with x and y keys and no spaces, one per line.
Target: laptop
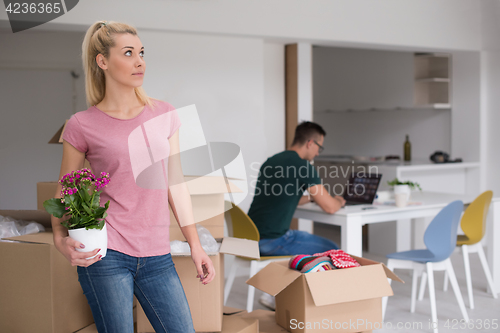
{"x":361,"y":190}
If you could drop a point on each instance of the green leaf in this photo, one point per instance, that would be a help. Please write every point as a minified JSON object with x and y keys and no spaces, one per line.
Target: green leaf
{"x":99,"y":226}
{"x":99,"y":211}
{"x":85,"y":194}
{"x":55,"y":207}
{"x":95,"y":201}
{"x":70,"y":199}
{"x":87,"y":209}
{"x":411,"y":184}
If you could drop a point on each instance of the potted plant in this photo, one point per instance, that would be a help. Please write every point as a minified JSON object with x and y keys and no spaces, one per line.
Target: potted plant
{"x":81,"y":194}
{"x":403,"y":187}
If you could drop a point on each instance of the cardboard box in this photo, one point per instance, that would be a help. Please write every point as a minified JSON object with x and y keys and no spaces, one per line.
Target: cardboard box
{"x":267,"y":320}
{"x":329,"y":300}
{"x":57,"y":138}
{"x":206,"y":302}
{"x":207,"y":197}
{"x":233,"y":324}
{"x":40,"y":291}
{"x":89,"y":329}
{"x":44,"y":191}
{"x":230,"y":325}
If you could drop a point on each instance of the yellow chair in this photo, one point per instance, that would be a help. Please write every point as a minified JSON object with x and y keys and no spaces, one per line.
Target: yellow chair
{"x":473,"y":225}
{"x":240,"y":225}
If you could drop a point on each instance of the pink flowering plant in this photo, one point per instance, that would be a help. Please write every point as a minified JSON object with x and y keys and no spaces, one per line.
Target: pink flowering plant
{"x":81,"y":192}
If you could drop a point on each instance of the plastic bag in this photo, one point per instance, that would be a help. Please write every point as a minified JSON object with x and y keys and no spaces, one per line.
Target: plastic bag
{"x":178,"y":246}
{"x":10,"y":227}
{"x":208,"y":242}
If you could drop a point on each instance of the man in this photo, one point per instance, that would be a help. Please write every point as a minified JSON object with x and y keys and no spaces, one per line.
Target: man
{"x":282,"y":180}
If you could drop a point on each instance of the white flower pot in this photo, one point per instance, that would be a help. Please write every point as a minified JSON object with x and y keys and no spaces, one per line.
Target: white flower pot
{"x":402,"y":193}
{"x":92,"y":239}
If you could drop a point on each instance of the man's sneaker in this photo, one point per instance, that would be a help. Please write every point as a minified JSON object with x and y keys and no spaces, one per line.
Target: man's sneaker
{"x":268,"y":301}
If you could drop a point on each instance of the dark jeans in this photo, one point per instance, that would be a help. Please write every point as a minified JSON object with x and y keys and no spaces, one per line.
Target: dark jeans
{"x":295,"y":242}
{"x":110,"y":284}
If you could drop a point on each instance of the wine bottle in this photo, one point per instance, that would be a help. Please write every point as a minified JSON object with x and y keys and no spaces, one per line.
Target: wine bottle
{"x":407,"y":149}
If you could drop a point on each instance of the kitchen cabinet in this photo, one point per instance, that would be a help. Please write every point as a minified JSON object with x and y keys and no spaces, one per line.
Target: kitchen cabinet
{"x":432,"y":80}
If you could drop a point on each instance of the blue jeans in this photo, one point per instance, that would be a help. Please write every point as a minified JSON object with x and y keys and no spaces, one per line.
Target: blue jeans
{"x":295,"y":242}
{"x":111,"y":283}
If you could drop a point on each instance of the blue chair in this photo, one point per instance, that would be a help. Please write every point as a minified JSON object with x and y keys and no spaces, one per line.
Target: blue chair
{"x":440,"y":238}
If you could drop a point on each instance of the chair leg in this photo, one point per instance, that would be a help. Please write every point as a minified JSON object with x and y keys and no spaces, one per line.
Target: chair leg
{"x":414,"y":290}
{"x":251,"y":289}
{"x":230,"y":279}
{"x":465,"y":253}
{"x":456,"y":289}
{"x":445,"y":281}
{"x":486,"y":269}
{"x":390,"y":265}
{"x":432,"y":296}
{"x":422,"y":286}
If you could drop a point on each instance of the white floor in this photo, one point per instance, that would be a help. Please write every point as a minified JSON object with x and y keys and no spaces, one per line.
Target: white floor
{"x":487,"y":309}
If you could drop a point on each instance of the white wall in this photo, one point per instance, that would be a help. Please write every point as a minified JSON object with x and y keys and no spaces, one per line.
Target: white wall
{"x":466,"y":105}
{"x":444,"y":24}
{"x":490,"y":96}
{"x":47,"y":50}
{"x":32,"y":111}
{"x":36,"y":90}
{"x":274,"y":98}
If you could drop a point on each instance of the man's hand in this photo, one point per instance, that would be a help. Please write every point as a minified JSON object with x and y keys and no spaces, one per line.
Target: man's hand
{"x":305,"y":199}
{"x":204,"y":266}
{"x":340,"y":199}
{"x":327,"y":203}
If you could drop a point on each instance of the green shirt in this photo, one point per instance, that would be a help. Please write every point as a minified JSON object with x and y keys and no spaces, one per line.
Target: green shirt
{"x":281,"y":182}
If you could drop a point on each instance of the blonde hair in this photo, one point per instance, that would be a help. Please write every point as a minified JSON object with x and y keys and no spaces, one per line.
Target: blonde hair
{"x":99,"y":39}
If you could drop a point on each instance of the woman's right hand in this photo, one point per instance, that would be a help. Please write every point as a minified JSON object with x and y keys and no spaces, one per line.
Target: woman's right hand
{"x":67,"y":245}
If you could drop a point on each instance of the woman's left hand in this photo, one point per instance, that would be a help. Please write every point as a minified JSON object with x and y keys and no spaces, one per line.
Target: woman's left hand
{"x":204,"y":266}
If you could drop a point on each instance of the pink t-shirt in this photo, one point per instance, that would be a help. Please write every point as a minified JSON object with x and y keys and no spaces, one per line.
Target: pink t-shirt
{"x":135,"y":154}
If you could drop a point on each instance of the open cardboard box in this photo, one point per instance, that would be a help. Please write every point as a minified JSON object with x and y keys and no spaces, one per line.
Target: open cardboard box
{"x":329,"y":300}
{"x":206,"y":302}
{"x":40,"y":291}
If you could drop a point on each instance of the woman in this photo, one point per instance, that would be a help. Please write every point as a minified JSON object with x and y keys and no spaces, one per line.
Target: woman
{"x":130,"y":136}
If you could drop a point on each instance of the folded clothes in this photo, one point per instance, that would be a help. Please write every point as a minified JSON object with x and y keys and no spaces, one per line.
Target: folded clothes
{"x":308,"y":264}
{"x":340,"y":259}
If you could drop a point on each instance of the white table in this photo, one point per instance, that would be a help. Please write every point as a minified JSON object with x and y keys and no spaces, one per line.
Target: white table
{"x":352,"y":218}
